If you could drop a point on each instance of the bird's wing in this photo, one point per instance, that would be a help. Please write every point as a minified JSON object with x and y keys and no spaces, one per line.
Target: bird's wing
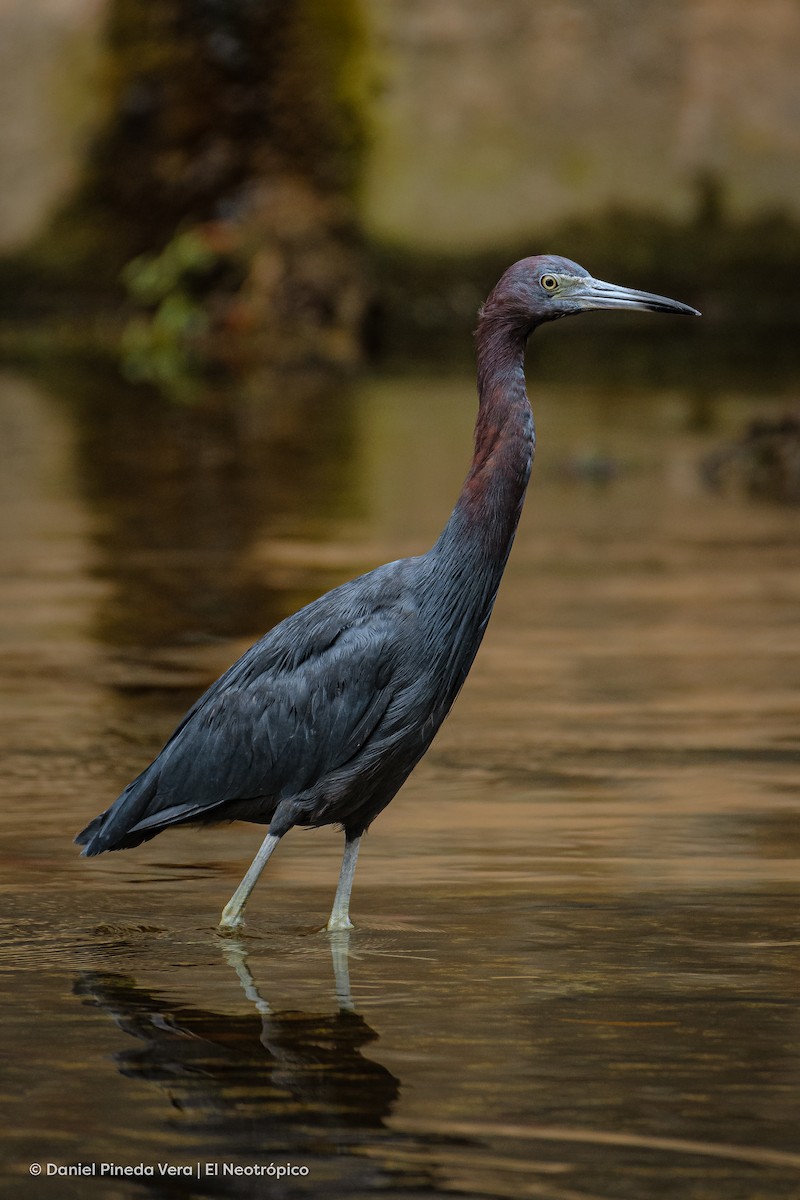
{"x":297,"y":707}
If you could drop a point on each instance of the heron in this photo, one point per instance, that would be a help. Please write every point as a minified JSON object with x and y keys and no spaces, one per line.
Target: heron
{"x":324,"y":718}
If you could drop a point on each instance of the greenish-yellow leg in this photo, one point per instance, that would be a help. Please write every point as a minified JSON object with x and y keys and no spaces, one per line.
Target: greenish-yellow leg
{"x":340,"y":913}
{"x":232,"y":917}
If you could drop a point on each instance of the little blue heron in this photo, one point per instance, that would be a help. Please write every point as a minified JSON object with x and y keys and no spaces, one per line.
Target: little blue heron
{"x":325,"y":717}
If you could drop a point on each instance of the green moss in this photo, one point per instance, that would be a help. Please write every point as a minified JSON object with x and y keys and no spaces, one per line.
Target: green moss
{"x":206,"y":102}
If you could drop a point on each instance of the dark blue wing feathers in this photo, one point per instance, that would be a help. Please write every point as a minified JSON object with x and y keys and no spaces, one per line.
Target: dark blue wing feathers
{"x":286,"y":723}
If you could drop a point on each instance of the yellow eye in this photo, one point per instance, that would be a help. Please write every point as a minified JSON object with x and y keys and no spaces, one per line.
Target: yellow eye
{"x":549,"y":283}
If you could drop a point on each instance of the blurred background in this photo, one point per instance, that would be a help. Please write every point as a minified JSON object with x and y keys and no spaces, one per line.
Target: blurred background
{"x":233,"y":231}
{"x":297,"y":178}
{"x":242,"y":248}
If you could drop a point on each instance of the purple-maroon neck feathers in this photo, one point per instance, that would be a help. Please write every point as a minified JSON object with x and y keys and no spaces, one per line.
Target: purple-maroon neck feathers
{"x":490,"y":503}
{"x":493,"y":492}
{"x":474,"y":546}
{"x":468,"y":561}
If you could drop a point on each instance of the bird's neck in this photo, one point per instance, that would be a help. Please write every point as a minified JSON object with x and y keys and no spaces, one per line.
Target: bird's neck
{"x":486,"y":515}
{"x":469,"y":558}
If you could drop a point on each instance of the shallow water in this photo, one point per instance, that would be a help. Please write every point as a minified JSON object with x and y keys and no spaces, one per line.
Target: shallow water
{"x":575,"y":973}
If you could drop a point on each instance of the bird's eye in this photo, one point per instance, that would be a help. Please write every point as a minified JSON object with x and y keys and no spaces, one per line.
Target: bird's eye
{"x":549,"y":283}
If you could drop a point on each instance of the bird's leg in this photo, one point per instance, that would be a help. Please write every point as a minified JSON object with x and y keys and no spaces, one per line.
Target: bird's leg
{"x":340,"y":913}
{"x":232,"y":918}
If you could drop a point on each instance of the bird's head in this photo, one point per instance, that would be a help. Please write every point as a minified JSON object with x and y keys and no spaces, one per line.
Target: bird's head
{"x":547,"y":287}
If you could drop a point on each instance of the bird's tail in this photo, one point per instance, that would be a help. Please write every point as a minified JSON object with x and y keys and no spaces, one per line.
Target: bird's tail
{"x":115,"y":829}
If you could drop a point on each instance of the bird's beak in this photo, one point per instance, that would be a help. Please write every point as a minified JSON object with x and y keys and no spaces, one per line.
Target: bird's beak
{"x":595,"y":294}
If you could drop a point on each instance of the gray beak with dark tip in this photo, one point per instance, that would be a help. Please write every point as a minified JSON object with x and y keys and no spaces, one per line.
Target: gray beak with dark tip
{"x":592,"y":294}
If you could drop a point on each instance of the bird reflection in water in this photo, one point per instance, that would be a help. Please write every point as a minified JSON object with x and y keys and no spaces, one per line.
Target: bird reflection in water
{"x":272,"y":1081}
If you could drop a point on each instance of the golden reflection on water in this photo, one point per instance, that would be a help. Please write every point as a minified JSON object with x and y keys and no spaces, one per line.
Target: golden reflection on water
{"x":579,"y":916}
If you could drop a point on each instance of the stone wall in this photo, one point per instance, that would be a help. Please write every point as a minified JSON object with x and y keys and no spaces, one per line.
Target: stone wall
{"x":489,"y":124}
{"x":493,"y":120}
{"x":49,"y":56}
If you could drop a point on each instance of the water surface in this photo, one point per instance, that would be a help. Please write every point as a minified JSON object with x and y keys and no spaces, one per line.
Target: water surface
{"x":575,"y":972}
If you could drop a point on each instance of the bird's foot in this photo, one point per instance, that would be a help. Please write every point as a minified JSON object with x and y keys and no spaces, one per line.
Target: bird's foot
{"x":338,"y":923}
{"x":230,"y":923}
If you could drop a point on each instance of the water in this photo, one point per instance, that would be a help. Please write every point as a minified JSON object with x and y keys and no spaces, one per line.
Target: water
{"x":575,"y":972}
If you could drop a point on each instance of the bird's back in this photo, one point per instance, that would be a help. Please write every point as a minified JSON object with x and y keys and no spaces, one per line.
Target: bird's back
{"x":319,"y":722}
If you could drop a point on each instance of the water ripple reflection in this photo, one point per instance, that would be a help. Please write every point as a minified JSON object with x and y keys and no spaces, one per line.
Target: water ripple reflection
{"x":575,"y":972}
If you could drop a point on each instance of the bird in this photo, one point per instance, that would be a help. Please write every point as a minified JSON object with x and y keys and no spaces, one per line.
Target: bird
{"x":324,"y":718}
